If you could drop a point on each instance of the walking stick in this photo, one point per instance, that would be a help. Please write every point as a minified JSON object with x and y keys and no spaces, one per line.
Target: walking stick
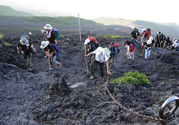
{"x":49,"y":59}
{"x":86,"y":59}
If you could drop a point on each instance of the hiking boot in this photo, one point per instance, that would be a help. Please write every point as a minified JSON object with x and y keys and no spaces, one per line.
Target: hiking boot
{"x":91,"y":77}
{"x":59,"y":65}
{"x":52,"y":67}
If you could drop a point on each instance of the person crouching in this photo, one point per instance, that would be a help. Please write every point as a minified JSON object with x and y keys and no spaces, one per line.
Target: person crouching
{"x":25,"y":48}
{"x":51,"y":53}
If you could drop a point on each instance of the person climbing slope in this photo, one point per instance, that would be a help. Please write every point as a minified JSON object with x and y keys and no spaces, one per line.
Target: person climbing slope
{"x":51,"y":53}
{"x":130,"y":49}
{"x":92,"y":44}
{"x":148,"y":47}
{"x":102,"y":56}
{"x":25,"y":48}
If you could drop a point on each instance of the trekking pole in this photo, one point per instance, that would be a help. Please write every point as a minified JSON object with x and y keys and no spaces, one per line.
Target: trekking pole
{"x":143,"y":51}
{"x":49,"y":59}
{"x":86,"y":59}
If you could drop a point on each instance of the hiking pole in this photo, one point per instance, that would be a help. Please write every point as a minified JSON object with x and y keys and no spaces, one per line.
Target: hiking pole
{"x":86,"y":59}
{"x":143,"y":51}
{"x":49,"y":59}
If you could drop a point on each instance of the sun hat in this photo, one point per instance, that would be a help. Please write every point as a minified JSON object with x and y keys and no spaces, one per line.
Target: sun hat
{"x":87,"y":41}
{"x":24,"y":41}
{"x":99,"y":50}
{"x":48,"y":26}
{"x":30,"y":33}
{"x":143,"y":29}
{"x":44,"y":44}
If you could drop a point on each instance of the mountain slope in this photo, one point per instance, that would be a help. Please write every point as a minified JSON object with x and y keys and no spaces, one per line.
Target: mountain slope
{"x":8,"y":11}
{"x":171,"y":30}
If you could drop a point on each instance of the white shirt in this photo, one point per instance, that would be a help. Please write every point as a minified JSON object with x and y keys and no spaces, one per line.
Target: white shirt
{"x":100,"y":58}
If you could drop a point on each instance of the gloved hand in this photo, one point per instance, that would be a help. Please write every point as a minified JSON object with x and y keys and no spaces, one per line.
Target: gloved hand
{"x":42,"y":31}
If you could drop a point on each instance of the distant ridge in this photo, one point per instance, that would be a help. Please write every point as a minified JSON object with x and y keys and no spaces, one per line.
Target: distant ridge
{"x":169,"y":29}
{"x":8,"y":11}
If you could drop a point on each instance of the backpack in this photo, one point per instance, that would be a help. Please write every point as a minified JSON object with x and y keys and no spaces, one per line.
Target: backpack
{"x":134,"y":42}
{"x":57,"y":33}
{"x":56,"y":47}
{"x":94,"y":41}
{"x":117,"y":46}
{"x":131,"y":47}
{"x":106,"y":52}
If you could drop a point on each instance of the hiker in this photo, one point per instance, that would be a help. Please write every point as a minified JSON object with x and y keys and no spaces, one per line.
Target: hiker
{"x":50,"y":33}
{"x":157,"y":39}
{"x":145,"y":35}
{"x":175,"y":44}
{"x":135,"y":33}
{"x":25,"y":48}
{"x":114,"y":50}
{"x":168,"y":42}
{"x":130,"y":49}
{"x":51,"y":53}
{"x":162,"y":40}
{"x":148,"y":47}
{"x":92,"y":46}
{"x":102,"y":56}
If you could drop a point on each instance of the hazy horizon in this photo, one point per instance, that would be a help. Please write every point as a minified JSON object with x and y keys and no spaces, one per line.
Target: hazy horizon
{"x":155,"y":11}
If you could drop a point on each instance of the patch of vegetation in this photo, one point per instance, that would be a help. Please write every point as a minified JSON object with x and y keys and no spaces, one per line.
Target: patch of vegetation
{"x":132,"y":78}
{"x":1,"y":36}
{"x":110,"y":36}
{"x":176,"y":59}
{"x":7,"y":44}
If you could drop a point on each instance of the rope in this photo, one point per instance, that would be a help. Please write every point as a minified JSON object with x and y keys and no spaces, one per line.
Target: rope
{"x":162,"y":121}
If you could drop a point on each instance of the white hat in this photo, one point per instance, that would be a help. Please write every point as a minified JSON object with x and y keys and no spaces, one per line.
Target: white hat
{"x":24,"y":41}
{"x":30,"y":33}
{"x":87,"y":41}
{"x":48,"y":26}
{"x":99,"y":50}
{"x":143,"y":29}
{"x":44,"y":44}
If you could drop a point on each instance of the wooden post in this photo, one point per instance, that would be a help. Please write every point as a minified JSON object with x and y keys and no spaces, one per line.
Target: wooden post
{"x":79,"y":27}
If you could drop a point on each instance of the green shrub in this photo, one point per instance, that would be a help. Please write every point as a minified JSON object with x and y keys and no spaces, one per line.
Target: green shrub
{"x":1,"y":36}
{"x":132,"y":78}
{"x":110,"y":36}
{"x":7,"y":44}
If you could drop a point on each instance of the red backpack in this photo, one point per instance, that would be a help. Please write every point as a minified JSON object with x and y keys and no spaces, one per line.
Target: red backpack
{"x":117,"y":46}
{"x":94,"y":41}
{"x":132,"y":48}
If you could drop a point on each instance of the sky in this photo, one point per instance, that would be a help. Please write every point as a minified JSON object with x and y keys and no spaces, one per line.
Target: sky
{"x":161,"y":11}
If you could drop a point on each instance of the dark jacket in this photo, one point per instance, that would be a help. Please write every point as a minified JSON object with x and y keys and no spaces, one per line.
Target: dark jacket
{"x":53,"y":37}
